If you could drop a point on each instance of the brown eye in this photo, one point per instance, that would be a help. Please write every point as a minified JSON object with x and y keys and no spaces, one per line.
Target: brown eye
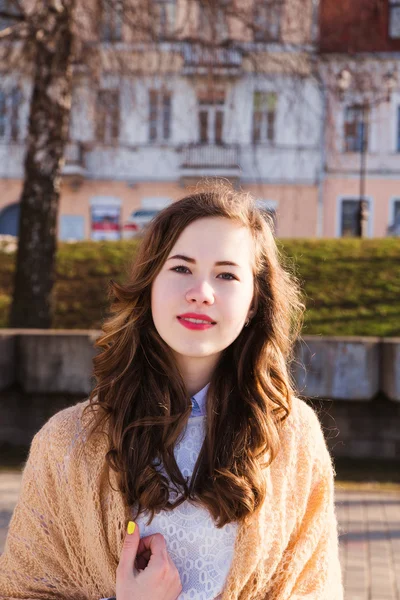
{"x":179,"y":267}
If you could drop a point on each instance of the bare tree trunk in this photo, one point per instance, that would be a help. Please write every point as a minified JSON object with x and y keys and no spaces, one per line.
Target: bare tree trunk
{"x":48,"y":133}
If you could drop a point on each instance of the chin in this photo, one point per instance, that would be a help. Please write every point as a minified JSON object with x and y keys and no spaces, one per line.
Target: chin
{"x":197,"y":352}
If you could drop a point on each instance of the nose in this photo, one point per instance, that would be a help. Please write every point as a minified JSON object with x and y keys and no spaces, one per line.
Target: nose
{"x":201,"y":293}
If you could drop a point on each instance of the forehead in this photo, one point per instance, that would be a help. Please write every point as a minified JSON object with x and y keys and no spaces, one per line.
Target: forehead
{"x":216,"y":238}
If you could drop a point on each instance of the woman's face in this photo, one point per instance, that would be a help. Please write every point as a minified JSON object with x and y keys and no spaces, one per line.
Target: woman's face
{"x":193,"y":281}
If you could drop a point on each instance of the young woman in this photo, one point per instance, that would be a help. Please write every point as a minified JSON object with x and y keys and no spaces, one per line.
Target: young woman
{"x":193,"y":435}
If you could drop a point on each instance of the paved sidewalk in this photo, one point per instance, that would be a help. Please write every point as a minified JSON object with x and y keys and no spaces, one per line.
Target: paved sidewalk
{"x":10,"y":483}
{"x":369,"y":525}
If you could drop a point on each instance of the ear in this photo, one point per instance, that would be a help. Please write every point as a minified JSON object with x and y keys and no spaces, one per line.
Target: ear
{"x":253,"y":309}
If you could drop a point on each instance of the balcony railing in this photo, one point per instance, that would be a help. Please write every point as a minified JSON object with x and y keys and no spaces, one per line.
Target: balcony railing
{"x":220,"y":60}
{"x":74,"y":159}
{"x":209,"y":156}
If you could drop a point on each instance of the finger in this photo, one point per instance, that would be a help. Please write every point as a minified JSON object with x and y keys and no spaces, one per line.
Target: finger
{"x":156,"y":545}
{"x":144,"y":555}
{"x":141,"y":562}
{"x":128,"y":553}
{"x":142,"y":559}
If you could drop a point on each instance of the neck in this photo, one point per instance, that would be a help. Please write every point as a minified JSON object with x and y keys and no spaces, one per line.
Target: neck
{"x":196,"y":371}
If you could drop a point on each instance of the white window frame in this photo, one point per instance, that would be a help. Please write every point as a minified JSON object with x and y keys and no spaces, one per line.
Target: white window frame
{"x":116,"y":25}
{"x":271,"y":206}
{"x":155,"y":202}
{"x":11,"y":8}
{"x":66,"y":238}
{"x":397,"y":128}
{"x":339,"y":204}
{"x":8,"y":114}
{"x":160,"y":139}
{"x":264,"y":139}
{"x":269,"y":17}
{"x":394,"y":6}
{"x":104,"y":201}
{"x":267,"y":204}
{"x":164,"y":30}
{"x":108,"y":117}
{"x":211,"y":110}
{"x":367,"y":122}
{"x":220,"y":24}
{"x":392,"y":203}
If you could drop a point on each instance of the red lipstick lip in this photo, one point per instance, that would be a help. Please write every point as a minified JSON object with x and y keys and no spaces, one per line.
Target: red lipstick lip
{"x":196,"y":316}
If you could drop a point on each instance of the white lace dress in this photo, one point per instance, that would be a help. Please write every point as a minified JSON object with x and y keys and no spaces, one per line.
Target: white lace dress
{"x":201,"y":552}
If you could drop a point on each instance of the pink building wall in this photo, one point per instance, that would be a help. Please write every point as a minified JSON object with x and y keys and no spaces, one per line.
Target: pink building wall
{"x":381,"y":193}
{"x":296,"y":205}
{"x":296,"y":210}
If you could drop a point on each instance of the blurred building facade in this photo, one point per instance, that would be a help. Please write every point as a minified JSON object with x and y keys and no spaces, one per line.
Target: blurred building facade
{"x":359,"y":64}
{"x":262,"y":111}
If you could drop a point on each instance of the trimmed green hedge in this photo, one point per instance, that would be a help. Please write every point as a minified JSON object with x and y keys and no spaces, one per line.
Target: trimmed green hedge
{"x":352,"y":287}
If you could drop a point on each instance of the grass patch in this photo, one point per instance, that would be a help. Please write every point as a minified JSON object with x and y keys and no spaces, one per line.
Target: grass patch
{"x":351,"y":286}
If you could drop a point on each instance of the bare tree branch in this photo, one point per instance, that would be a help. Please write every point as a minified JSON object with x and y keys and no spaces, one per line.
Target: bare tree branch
{"x":53,"y":39}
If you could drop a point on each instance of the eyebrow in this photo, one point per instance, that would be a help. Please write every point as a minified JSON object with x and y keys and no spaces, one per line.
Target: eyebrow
{"x":192,"y":260}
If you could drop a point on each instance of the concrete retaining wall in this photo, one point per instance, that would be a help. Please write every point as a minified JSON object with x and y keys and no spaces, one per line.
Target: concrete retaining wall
{"x":390,"y":367}
{"x":345,"y":368}
{"x":8,"y":360}
{"x":337,"y":368}
{"x":55,"y":363}
{"x":354,"y":384}
{"x":47,"y":361}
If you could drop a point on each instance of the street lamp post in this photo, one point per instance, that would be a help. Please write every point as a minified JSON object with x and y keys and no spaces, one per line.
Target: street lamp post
{"x":344,"y":80}
{"x":363,"y":213}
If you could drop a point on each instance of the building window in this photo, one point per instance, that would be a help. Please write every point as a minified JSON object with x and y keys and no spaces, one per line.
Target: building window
{"x":111,"y":20}
{"x":394,"y":19}
{"x":267,"y":18}
{"x":264,"y":116}
{"x":394,"y":225}
{"x":8,"y":7}
{"x":396,"y":211}
{"x":213,"y":20}
{"x":211,"y":117}
{"x":105,"y":218}
{"x":398,"y":129}
{"x":269,"y":208}
{"x":355,"y":128}
{"x":164,"y":18}
{"x":72,"y":227}
{"x":107,"y":125}
{"x":10,"y":103}
{"x":155,"y":202}
{"x":349,"y":217}
{"x":159,"y":115}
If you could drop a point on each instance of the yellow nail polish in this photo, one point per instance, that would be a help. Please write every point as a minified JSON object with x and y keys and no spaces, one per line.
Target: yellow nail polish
{"x":131,"y":527}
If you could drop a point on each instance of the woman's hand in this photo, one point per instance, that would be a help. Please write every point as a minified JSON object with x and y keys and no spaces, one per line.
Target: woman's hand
{"x":145,"y":570}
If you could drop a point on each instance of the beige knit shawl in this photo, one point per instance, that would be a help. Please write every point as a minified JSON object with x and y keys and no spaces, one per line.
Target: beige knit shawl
{"x":67,"y":530}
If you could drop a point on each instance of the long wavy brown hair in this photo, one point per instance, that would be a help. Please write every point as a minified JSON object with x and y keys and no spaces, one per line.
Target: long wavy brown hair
{"x":140,"y":394}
